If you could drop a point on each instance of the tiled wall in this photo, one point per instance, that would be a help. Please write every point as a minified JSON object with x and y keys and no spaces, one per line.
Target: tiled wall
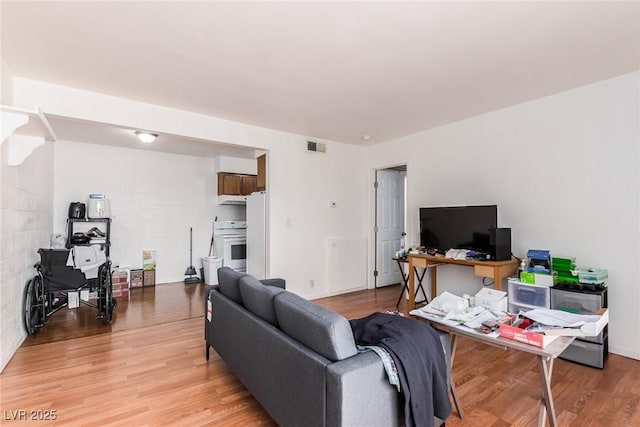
{"x":26,"y":200}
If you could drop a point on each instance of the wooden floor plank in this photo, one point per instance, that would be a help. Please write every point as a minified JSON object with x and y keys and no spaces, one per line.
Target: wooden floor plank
{"x":148,"y":368}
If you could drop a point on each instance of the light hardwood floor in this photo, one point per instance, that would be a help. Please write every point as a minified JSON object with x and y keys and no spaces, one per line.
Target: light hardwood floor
{"x":148,"y":368}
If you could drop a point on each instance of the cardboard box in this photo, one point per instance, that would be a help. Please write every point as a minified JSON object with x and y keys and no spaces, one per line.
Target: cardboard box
{"x":148,"y":260}
{"x":526,"y":277}
{"x":537,"y":278}
{"x":120,"y":293}
{"x":543,"y":279}
{"x":149,"y":278}
{"x":137,"y":278}
{"x":119,"y":286}
{"x":526,"y":337}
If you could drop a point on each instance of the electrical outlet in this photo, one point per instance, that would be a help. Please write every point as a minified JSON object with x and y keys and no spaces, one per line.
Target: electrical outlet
{"x":312,"y":283}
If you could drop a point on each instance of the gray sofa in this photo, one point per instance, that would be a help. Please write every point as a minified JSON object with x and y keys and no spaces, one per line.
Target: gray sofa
{"x":299,"y":360}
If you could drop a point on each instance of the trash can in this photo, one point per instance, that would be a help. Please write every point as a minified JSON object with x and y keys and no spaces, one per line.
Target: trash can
{"x":211,"y":264}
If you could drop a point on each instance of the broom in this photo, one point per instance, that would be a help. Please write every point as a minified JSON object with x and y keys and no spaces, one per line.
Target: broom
{"x":191,"y":271}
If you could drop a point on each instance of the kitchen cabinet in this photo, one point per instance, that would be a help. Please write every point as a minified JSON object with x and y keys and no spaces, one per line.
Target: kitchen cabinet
{"x":261,"y":181}
{"x":249,"y":185}
{"x":236,"y":184}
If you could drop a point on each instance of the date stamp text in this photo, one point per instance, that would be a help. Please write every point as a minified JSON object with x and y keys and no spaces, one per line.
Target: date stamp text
{"x":29,"y":414}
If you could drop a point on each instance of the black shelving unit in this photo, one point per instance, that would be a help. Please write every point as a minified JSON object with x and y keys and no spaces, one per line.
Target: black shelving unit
{"x":105,"y":221}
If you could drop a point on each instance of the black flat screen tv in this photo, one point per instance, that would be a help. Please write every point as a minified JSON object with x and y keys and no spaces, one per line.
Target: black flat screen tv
{"x":457,"y":227}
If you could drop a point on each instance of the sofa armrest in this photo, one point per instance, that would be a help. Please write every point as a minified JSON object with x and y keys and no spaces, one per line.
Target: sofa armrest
{"x":278,"y":283}
{"x":359,"y":393}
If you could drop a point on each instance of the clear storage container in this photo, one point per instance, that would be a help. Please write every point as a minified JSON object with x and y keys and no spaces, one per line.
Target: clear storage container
{"x":529,"y":295}
{"x":575,"y":302}
{"x":587,"y":353}
{"x":595,"y":276}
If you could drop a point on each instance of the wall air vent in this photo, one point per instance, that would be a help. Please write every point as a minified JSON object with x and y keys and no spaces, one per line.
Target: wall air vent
{"x":318,"y":147}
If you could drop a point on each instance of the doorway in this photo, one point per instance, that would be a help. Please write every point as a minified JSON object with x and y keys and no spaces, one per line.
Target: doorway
{"x":390,"y":223}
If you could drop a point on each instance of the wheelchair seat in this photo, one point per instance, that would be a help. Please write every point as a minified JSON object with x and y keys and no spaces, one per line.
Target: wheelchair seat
{"x":55,"y":272}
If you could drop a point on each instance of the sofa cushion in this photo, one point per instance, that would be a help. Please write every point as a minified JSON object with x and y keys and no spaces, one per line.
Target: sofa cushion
{"x":324,"y":331}
{"x":278,"y":283}
{"x":258,"y":298}
{"x":228,"y":282}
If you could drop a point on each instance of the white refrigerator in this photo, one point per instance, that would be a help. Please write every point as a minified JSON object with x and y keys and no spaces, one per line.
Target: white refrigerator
{"x":257,"y":235}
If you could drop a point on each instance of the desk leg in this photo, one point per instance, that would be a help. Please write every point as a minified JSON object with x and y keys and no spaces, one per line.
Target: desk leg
{"x":404,"y":282}
{"x":412,"y":285}
{"x":420,"y":277}
{"x":546,"y":400}
{"x":452,"y":386}
{"x":434,"y":286}
{"x":497,"y":280}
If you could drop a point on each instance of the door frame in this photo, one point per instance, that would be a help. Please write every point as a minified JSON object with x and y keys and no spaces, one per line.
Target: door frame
{"x":373,"y":216}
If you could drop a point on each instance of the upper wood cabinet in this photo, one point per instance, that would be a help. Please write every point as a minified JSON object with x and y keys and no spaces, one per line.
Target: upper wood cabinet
{"x":236,"y":184}
{"x":248,"y":184}
{"x":261,"y":182}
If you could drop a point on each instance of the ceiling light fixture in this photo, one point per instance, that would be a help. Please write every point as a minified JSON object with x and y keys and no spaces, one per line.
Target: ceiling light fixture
{"x":146,"y":137}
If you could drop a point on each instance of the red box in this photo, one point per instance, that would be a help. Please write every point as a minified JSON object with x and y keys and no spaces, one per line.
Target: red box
{"x":120,"y":293}
{"x":523,"y":336}
{"x":119,"y":280}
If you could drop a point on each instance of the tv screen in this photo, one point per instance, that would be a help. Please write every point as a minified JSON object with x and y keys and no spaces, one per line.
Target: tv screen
{"x":457,"y":227}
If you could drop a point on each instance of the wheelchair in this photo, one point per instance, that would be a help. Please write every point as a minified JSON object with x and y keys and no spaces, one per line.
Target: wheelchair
{"x":48,"y":291}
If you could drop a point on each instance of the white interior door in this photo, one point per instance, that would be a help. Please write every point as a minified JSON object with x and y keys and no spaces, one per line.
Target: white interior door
{"x":389,"y":223}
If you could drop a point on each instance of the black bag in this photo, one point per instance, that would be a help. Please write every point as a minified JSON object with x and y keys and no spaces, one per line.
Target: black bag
{"x":77,"y":210}
{"x":80,"y":239}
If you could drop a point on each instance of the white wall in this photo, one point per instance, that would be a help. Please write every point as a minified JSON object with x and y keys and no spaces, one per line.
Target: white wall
{"x":300,"y":183}
{"x":6,"y":84}
{"x":25,"y":200}
{"x":155,"y":198}
{"x":563,"y":171}
{"x":25,"y":225}
{"x":301,"y":186}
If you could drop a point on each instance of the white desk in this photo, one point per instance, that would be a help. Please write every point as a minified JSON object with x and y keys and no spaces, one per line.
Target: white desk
{"x":545,"y":356}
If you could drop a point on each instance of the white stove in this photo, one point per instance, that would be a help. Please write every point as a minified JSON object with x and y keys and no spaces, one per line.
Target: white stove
{"x":230,"y":239}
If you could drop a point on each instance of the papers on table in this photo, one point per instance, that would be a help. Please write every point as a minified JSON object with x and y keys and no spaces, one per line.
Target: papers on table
{"x":445,"y":304}
{"x":482,"y":317}
{"x":560,"y":322}
{"x":452,"y":310}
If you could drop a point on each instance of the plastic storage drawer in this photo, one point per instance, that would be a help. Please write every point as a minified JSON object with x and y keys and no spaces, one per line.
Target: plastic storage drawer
{"x":576,"y":302}
{"x":582,"y":302}
{"x":516,"y":308}
{"x":532,"y":296}
{"x":587,"y":353}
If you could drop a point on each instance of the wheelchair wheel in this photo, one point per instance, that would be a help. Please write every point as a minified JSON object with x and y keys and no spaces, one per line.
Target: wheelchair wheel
{"x":33,"y":305}
{"x":107,"y":302}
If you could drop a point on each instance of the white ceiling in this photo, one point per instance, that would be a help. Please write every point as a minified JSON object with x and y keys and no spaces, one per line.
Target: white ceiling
{"x":105,"y":134}
{"x":332,"y":70}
